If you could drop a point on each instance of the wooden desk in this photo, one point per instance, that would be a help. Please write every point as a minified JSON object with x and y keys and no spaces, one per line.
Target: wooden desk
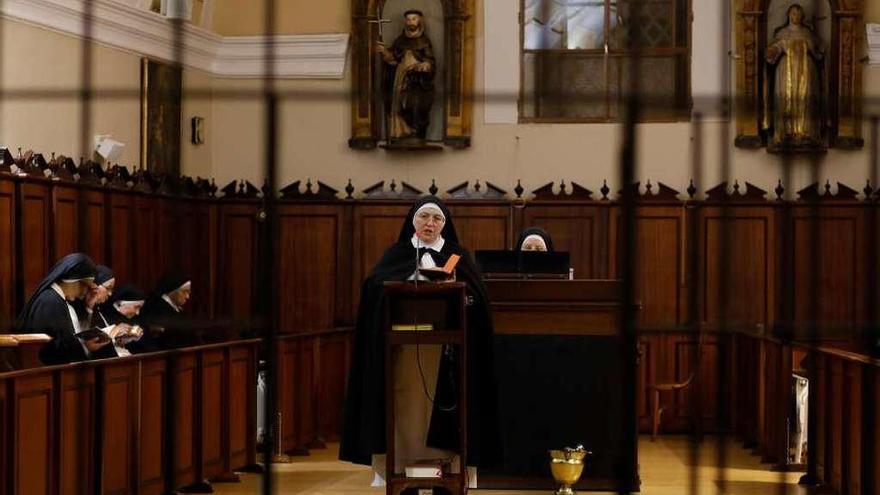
{"x":557,"y":362}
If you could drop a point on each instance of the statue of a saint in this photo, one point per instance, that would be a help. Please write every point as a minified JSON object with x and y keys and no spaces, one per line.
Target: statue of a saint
{"x":409,"y":80}
{"x":792,"y":101}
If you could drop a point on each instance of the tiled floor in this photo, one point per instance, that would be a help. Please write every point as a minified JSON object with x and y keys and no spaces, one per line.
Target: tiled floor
{"x":664,"y":468}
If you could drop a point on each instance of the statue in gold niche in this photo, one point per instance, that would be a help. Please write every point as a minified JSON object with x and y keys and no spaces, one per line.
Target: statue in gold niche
{"x":793,"y":116}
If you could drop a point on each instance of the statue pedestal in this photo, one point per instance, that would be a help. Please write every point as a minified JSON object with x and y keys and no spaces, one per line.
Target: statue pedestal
{"x":410,"y":144}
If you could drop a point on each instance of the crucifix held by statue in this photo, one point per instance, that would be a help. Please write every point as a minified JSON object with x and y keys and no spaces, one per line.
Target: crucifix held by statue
{"x":409,"y":68}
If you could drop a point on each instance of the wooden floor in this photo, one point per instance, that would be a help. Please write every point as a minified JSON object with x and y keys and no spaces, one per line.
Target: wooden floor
{"x":664,"y":468}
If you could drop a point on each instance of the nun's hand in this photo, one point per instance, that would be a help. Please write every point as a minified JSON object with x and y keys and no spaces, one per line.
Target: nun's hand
{"x":93,"y":345}
{"x":91,"y":298}
{"x":120,"y":330}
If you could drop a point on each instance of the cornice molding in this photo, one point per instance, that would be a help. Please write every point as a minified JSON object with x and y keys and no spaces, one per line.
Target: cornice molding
{"x":319,"y":56}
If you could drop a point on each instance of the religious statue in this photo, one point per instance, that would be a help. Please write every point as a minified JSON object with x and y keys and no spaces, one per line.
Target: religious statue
{"x":793,"y":116}
{"x":408,"y":82}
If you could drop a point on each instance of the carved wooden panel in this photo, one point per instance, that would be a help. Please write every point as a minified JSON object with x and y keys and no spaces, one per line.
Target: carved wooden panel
{"x":148,"y":268}
{"x":184,"y":374}
{"x":151,"y":456}
{"x":237,"y":256}
{"x":332,"y":374}
{"x":646,"y":374}
{"x":855,"y":427}
{"x":65,"y":221}
{"x":33,"y":440}
{"x":8,"y":257}
{"x":120,"y":406}
{"x":310,"y":239}
{"x":836,"y":274}
{"x":76,"y":431}
{"x":36,"y":208}
{"x":743,"y":272}
{"x":683,"y":349}
{"x":482,"y":226}
{"x":376,"y":228}
{"x":94,"y":225}
{"x":306,"y":431}
{"x":168,"y":225}
{"x":659,"y":263}
{"x":196,"y":251}
{"x":580,"y":230}
{"x":212,"y":405}
{"x":834,"y":410}
{"x":122,"y":235}
{"x":820,"y":388}
{"x":241,"y":421}
{"x":287,"y":388}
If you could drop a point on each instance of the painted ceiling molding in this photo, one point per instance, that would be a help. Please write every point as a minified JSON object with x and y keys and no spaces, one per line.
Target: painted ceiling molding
{"x":319,"y":56}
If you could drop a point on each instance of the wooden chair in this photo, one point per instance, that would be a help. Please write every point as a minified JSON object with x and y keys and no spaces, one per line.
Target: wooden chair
{"x":657,"y":388}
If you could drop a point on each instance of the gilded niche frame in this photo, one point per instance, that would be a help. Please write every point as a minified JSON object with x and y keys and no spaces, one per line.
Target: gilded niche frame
{"x":844,"y":74}
{"x":458,"y":73}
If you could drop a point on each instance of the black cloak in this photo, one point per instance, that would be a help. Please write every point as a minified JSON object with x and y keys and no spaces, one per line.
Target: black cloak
{"x":47,"y":312}
{"x":534,"y":231}
{"x":364,"y":414}
{"x":164,"y":326}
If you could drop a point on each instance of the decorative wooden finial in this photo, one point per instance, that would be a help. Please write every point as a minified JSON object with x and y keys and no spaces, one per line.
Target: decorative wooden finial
{"x":828,"y":187}
{"x":433,"y":189}
{"x":868,"y":190}
{"x":605,"y":190}
{"x":648,"y":187}
{"x":780,"y":191}
{"x":309,"y":185}
{"x":477,"y":186}
{"x":349,"y":189}
{"x":562,"y":186}
{"x":692,"y":189}
{"x":393,"y":186}
{"x":519,"y":188}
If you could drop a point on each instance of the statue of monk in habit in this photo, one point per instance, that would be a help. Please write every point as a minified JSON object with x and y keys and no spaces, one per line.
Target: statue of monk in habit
{"x":410,"y":79}
{"x":793,"y":90}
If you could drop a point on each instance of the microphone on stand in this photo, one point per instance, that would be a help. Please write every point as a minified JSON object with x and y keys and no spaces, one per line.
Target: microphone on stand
{"x":418,"y":246}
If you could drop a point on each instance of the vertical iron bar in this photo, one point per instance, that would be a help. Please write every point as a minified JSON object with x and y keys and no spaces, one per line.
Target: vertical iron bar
{"x":268,"y":279}
{"x":722,"y":409}
{"x":85,"y":117}
{"x":871,"y":327}
{"x":694,"y":284}
{"x":629,"y":340}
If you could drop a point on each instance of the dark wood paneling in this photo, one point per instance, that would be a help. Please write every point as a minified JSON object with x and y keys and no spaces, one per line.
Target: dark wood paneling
{"x":306,"y":401}
{"x":122,"y":235}
{"x":747,"y":269}
{"x":482,"y":226}
{"x":853,"y":428}
{"x":834,"y":410}
{"x":288,"y":389}
{"x":310,"y":238}
{"x":821,"y":424}
{"x":212,"y":406}
{"x":196,"y":250}
{"x":646,"y":374}
{"x":836,"y":274}
{"x":146,"y":245}
{"x":683,"y":351}
{"x":33,"y":440}
{"x":8,"y":299}
{"x":580,"y":230}
{"x":186,"y":421}
{"x":119,"y":428}
{"x":151,"y":456}
{"x":36,"y":208}
{"x":241,"y":422}
{"x":332,"y":375}
{"x":94,"y":224}
{"x":238,"y":257}
{"x":6,"y":430}
{"x":659,"y":270}
{"x":65,"y":221}
{"x":376,"y":228}
{"x":168,"y":225}
{"x":76,"y":432}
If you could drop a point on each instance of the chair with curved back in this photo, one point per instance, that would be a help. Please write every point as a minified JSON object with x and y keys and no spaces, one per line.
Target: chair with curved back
{"x":657,"y":388}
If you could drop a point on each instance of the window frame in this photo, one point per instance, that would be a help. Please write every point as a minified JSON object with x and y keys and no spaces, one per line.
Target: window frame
{"x":685,"y":52}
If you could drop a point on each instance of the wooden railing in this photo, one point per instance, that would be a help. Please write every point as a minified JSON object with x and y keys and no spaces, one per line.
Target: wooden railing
{"x":145,"y":424}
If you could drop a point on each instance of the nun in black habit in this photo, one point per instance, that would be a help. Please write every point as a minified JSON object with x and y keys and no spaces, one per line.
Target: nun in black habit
{"x":363,"y":436}
{"x":161,"y":316}
{"x":534,"y":239}
{"x":117,"y":314}
{"x":51,"y":310}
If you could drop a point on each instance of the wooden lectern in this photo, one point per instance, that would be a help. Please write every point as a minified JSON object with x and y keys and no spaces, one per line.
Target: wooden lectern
{"x":425,"y":314}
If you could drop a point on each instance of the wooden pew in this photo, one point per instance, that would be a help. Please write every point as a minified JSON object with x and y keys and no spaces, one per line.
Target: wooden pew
{"x":101,"y":424}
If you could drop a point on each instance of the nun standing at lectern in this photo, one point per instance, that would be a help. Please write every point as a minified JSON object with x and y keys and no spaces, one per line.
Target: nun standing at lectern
{"x":534,"y":239}
{"x":51,"y":310}
{"x":426,"y":376}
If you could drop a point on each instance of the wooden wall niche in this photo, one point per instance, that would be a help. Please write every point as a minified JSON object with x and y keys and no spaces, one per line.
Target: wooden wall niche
{"x":842,"y":58}
{"x":457,"y":72}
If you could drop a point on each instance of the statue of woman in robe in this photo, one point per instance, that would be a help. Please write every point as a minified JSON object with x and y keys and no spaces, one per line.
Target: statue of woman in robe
{"x":793,"y":116}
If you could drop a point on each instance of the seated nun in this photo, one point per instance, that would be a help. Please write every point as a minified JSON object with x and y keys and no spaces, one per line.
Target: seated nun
{"x":161,"y":315}
{"x":51,"y":310}
{"x":116,"y":316}
{"x":534,"y":239}
{"x":427,"y":377}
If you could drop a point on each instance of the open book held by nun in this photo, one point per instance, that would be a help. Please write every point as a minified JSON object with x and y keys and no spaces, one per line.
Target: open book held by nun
{"x":445,"y":273}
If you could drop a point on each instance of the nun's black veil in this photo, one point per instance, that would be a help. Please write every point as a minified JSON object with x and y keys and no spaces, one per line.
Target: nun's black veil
{"x":548,"y":241}
{"x":364,"y":416}
{"x":72,"y":266}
